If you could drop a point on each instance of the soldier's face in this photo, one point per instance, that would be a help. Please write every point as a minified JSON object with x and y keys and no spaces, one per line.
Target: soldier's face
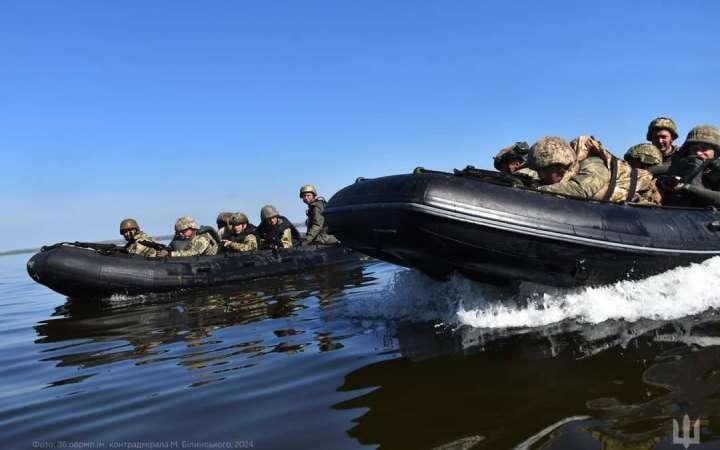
{"x":274,"y":220}
{"x":662,"y":139}
{"x":239,"y":228}
{"x":186,"y":233}
{"x":308,"y":198}
{"x":702,"y":151}
{"x":128,"y":234}
{"x":551,"y":174}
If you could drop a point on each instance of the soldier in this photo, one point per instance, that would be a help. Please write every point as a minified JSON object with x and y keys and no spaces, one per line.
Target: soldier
{"x":513,"y":160}
{"x":560,"y":172}
{"x":316,"y":228}
{"x":584,"y":169}
{"x":223,"y":222}
{"x":276,"y":231}
{"x":662,"y":132}
{"x":643,"y":156}
{"x":130,"y":230}
{"x":190,"y":241}
{"x":695,"y":177}
{"x":242,"y":237}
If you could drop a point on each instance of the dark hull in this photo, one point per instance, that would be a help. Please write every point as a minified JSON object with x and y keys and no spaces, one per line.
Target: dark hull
{"x":441,"y":223}
{"x":83,"y":273}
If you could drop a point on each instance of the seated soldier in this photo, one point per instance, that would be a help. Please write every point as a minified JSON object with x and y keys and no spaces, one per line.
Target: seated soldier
{"x":513,"y":161}
{"x":316,"y":228}
{"x":189,"y":242}
{"x":584,"y":169}
{"x":223,"y":222}
{"x":130,"y":230}
{"x":695,"y":173}
{"x":242,"y":235}
{"x":560,"y":172}
{"x":276,"y":231}
{"x":662,"y":131}
{"x":643,"y":156}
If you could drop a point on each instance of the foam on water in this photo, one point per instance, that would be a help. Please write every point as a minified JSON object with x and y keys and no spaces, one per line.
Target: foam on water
{"x":411,"y":296}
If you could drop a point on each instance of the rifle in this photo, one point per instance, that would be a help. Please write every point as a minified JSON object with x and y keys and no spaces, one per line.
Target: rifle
{"x":154,"y":245}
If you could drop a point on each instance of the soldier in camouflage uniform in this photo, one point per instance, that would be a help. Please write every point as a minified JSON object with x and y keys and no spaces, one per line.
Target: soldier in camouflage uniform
{"x":695,"y":177}
{"x":223,"y":224}
{"x":560,"y":172}
{"x":130,"y":230}
{"x":662,"y":131}
{"x":316,"y":228}
{"x":242,"y":237}
{"x":643,"y":156}
{"x":188,"y":242}
{"x":276,"y":231}
{"x":513,"y":160}
{"x":584,"y":169}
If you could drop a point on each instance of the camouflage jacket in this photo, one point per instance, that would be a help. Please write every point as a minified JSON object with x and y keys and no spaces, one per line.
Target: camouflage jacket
{"x":248,"y":244}
{"x":587,"y":180}
{"x":528,"y":172}
{"x":590,"y":177}
{"x":200,"y":244}
{"x":136,"y":248}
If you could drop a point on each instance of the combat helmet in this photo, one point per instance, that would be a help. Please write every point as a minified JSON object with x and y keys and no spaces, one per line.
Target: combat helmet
{"x":308,"y":188}
{"x":704,"y":134}
{"x":223,"y":219}
{"x":645,"y":153}
{"x":238,"y":219}
{"x":518,"y":150}
{"x":662,"y":123}
{"x":268,"y":212}
{"x":551,"y":150}
{"x":128,"y":224}
{"x":185,"y":223}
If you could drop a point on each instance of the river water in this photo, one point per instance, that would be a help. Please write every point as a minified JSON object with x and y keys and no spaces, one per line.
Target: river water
{"x":363,"y":356}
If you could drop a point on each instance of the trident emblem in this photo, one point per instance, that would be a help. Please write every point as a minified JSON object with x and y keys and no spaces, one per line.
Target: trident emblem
{"x":686,"y":439}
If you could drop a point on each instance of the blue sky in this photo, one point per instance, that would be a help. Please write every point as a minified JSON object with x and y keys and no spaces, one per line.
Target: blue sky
{"x":155,"y":110}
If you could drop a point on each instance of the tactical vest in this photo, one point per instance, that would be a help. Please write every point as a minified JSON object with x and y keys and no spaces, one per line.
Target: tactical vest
{"x":273,"y":233}
{"x":179,"y":244}
{"x":240,"y":238}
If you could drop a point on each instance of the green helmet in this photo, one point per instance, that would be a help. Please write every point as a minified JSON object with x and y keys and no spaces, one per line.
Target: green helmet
{"x":518,"y":150}
{"x":308,"y":188}
{"x":704,"y":134}
{"x":238,"y":219}
{"x":185,"y":223}
{"x":268,"y":212}
{"x":662,"y":123}
{"x":223,"y":219}
{"x":551,"y":150}
{"x":128,"y":224}
{"x":645,"y":153}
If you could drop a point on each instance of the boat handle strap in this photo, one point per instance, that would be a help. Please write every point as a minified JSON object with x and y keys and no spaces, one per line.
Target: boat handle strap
{"x":633,"y":185}
{"x":613,"y":179}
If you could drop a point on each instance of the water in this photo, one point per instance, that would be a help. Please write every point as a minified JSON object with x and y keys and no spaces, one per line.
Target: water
{"x":364,"y":356}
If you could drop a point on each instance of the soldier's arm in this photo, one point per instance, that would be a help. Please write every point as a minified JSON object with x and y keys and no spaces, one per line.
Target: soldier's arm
{"x":197,"y":247}
{"x":146,"y":251}
{"x":287,"y":239}
{"x":249,"y":244}
{"x":591,"y":178}
{"x":704,"y":193}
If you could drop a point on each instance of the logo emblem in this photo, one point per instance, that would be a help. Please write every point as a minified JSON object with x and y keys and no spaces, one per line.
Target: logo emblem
{"x":686,"y":439}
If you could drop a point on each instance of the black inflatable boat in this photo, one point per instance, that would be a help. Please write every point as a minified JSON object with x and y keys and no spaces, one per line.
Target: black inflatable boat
{"x":86,"y":273}
{"x":486,"y":226}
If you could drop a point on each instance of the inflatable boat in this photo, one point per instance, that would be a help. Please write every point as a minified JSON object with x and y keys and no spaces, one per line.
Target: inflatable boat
{"x":97,"y":273}
{"x":487,"y":226}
